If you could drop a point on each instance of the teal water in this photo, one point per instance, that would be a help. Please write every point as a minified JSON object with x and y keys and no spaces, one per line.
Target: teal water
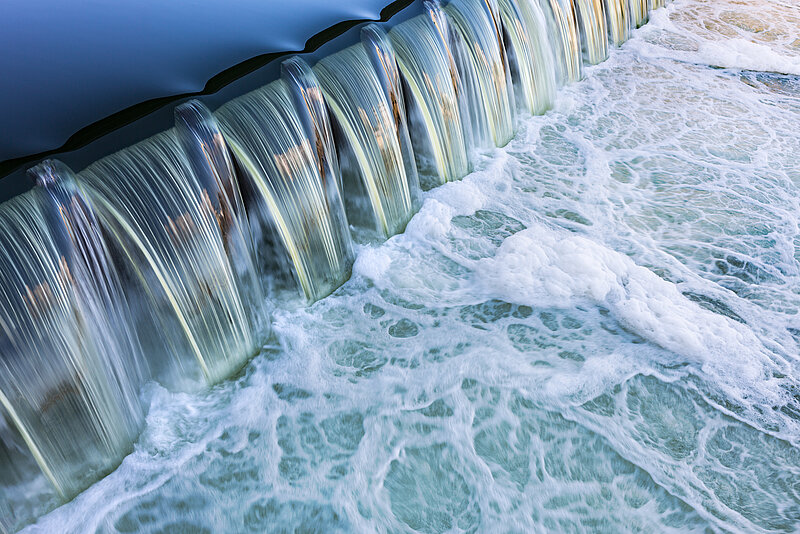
{"x":597,"y":330}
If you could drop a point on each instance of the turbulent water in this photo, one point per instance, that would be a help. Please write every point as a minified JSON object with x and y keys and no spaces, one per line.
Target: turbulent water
{"x":597,"y":330}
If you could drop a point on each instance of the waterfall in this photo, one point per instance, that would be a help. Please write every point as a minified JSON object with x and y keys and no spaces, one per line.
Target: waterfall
{"x":564,"y":34}
{"x":383,"y":181}
{"x":594,"y":32}
{"x":167,"y":226}
{"x":530,"y":54}
{"x":211,"y":162}
{"x":22,"y":482}
{"x":639,"y":12}
{"x":429,"y":71}
{"x":481,"y":59}
{"x":619,"y":20}
{"x":295,"y":180}
{"x":157,"y":262}
{"x":68,"y":378}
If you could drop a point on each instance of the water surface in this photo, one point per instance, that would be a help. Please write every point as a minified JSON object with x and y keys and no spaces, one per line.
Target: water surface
{"x":595,"y":331}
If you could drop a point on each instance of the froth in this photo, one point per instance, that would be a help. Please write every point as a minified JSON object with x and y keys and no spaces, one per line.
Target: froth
{"x":542,"y":266}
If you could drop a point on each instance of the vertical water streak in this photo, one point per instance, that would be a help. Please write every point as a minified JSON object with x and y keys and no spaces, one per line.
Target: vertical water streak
{"x":429,"y":71}
{"x":165,"y":224}
{"x":655,"y":4}
{"x":594,"y":32}
{"x":211,"y":162}
{"x":65,"y":382}
{"x":565,"y":37}
{"x":618,"y":13}
{"x":286,"y":153}
{"x":365,"y":117}
{"x":639,"y":12}
{"x":384,"y":61}
{"x":480,"y":55}
{"x":530,"y":54}
{"x":78,"y":233}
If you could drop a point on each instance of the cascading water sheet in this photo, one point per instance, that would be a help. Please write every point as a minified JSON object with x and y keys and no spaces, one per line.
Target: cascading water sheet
{"x":639,"y":12}
{"x":618,"y":13}
{"x":165,"y":223}
{"x":530,"y":54}
{"x":68,"y":384}
{"x":566,"y":39}
{"x":385,"y":187}
{"x":481,"y":58}
{"x":429,"y":71}
{"x":213,"y":167}
{"x":597,"y":330}
{"x":23,"y":486}
{"x":594,"y":32}
{"x":296,"y":184}
{"x":384,"y":60}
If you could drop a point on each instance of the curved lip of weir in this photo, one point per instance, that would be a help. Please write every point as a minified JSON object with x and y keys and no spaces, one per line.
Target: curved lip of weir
{"x":131,"y":114}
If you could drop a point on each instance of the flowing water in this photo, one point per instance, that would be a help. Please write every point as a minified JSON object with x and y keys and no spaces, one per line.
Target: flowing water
{"x":166,"y":225}
{"x":435,"y":93}
{"x":596,"y":330}
{"x":374,"y":141}
{"x":289,"y":161}
{"x":531,"y":60}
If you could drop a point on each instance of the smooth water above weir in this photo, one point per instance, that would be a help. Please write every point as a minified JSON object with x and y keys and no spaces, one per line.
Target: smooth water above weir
{"x":493,"y":266}
{"x":91,"y":66}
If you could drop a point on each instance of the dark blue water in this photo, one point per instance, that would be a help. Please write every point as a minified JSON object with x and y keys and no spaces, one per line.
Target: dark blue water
{"x":67,"y":65}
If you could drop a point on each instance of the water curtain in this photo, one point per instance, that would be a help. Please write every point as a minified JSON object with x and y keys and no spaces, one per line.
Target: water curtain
{"x":530,"y":54}
{"x":378,"y":173}
{"x":618,"y":13}
{"x":480,"y":55}
{"x":422,"y":45}
{"x":562,"y":21}
{"x":156,"y":262}
{"x":287,"y":156}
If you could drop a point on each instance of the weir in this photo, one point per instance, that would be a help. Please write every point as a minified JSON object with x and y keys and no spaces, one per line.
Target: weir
{"x":481,"y":60}
{"x":379,"y":177}
{"x":162,"y":261}
{"x":530,"y":54}
{"x":436,"y":113}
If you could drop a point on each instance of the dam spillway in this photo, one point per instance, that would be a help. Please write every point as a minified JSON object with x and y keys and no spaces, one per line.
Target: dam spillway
{"x":263,"y":194}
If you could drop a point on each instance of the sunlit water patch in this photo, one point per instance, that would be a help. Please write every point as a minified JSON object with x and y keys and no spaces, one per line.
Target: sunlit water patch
{"x":594,"y":331}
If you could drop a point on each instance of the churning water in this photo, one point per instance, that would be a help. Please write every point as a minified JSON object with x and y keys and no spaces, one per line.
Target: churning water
{"x":596,"y":330}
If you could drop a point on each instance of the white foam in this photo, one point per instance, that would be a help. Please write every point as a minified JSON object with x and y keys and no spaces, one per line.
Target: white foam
{"x":541,"y":266}
{"x":715,"y":49}
{"x":746,"y":55}
{"x":372,"y":263}
{"x":736,"y":54}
